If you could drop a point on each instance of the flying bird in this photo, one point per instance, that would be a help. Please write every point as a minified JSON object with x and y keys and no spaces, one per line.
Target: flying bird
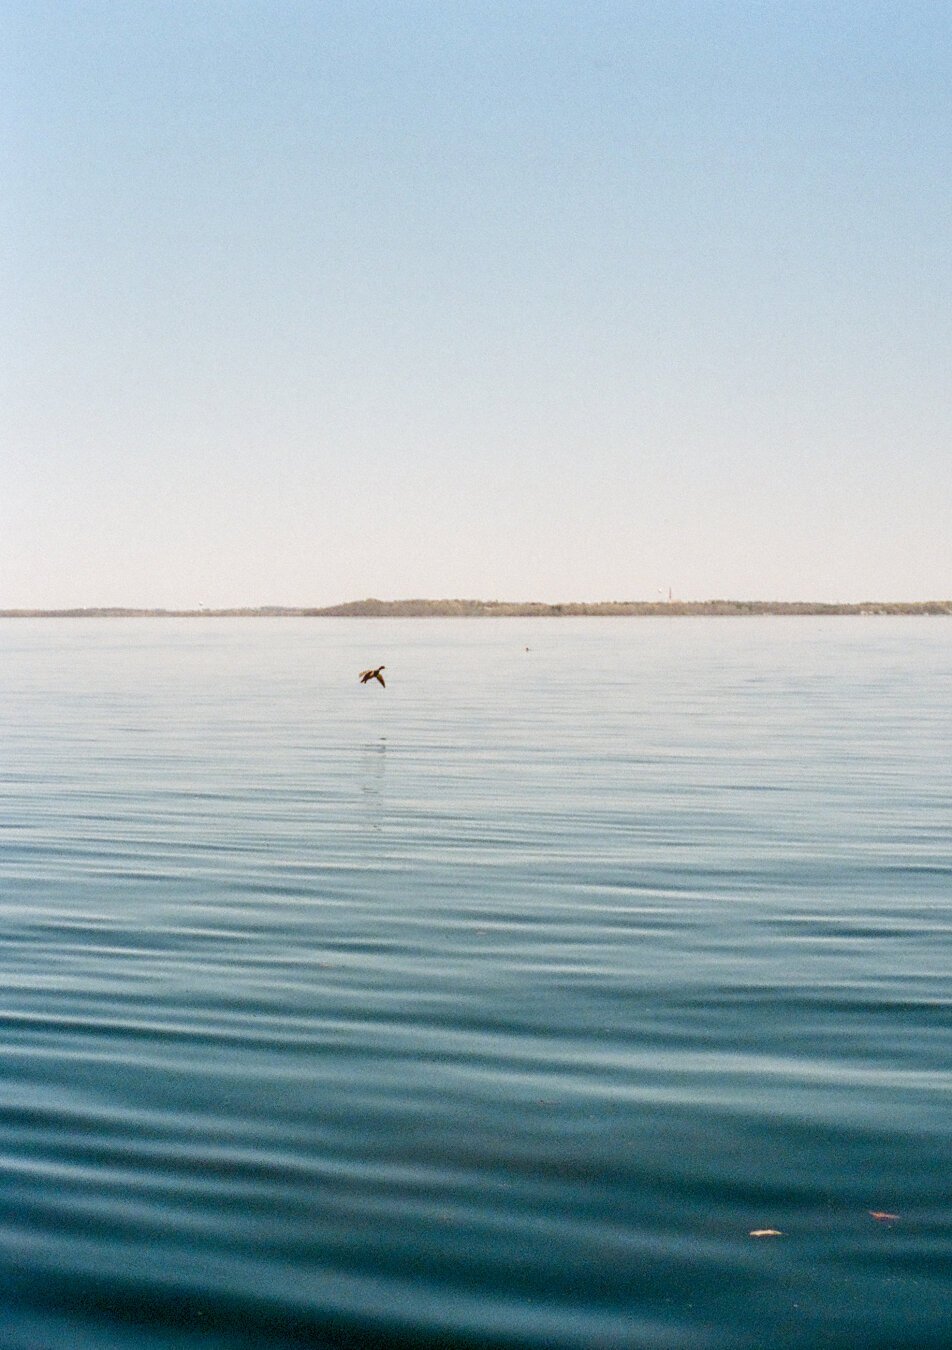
{"x":366,"y":675}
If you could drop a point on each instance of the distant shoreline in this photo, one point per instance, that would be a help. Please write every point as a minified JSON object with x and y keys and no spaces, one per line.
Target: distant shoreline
{"x":500,"y":609}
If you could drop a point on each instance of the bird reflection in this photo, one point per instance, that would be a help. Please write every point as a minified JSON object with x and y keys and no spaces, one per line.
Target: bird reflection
{"x":373,"y":763}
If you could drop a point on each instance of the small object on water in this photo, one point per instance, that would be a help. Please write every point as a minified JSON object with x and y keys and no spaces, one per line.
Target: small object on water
{"x":882,"y":1216}
{"x":366,"y":675}
{"x":766,"y":1232}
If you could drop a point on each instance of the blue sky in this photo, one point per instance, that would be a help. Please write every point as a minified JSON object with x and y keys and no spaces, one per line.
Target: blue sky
{"x":312,"y":301}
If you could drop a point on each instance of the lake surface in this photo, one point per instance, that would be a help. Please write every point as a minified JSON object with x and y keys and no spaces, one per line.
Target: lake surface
{"x":495,"y":1008}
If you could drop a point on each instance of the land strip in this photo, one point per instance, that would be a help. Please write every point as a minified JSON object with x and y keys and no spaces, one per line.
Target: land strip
{"x":501,"y":609}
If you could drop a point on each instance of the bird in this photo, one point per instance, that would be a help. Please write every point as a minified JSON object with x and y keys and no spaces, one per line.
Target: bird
{"x":366,"y":675}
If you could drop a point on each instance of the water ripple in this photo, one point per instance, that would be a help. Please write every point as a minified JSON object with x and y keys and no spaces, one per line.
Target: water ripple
{"x":475,"y":1015}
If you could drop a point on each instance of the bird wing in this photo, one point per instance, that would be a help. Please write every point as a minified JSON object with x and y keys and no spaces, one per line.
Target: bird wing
{"x":378,"y":676}
{"x":365,"y":675}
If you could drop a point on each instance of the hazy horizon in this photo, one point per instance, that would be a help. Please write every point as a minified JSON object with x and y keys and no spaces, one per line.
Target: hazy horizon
{"x":554,"y":301}
{"x":589,"y":602}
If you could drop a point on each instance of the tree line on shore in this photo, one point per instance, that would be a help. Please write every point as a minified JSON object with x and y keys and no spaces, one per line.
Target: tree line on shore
{"x":435,"y":609}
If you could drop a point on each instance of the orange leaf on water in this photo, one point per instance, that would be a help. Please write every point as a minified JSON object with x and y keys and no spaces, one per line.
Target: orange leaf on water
{"x":766,"y":1232}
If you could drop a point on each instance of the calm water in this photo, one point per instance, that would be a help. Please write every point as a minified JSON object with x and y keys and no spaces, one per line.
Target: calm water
{"x":493,"y":1008}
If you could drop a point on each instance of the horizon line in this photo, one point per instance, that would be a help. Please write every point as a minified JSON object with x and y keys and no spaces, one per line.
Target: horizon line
{"x":372,"y":607}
